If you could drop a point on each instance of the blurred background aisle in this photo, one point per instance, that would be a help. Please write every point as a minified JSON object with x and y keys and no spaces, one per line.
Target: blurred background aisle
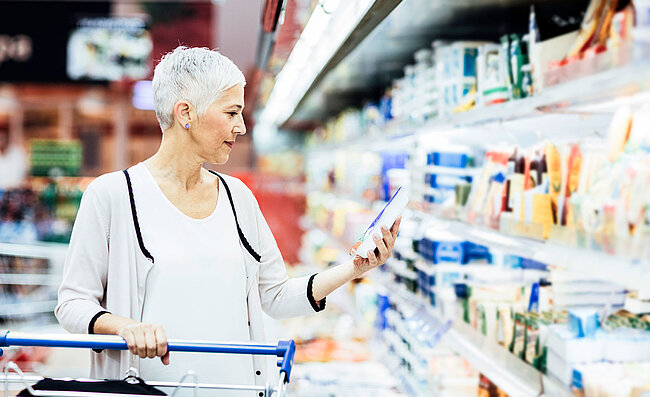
{"x":521,"y":129}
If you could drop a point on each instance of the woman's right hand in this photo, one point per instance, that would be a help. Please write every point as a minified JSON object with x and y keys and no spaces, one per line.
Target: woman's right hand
{"x":145,"y":340}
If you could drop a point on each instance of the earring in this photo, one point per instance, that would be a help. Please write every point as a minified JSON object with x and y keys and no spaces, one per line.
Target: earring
{"x":187,"y":126}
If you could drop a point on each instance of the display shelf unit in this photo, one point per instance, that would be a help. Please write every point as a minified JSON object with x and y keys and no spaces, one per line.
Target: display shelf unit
{"x":27,"y":308}
{"x":597,"y":264}
{"x":566,"y":96}
{"x":52,"y":251}
{"x":582,"y":100}
{"x":19,"y":309}
{"x":513,"y":375}
{"x":29,"y":279}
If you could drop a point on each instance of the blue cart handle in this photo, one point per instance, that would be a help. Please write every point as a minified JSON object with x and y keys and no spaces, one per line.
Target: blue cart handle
{"x":284,"y":350}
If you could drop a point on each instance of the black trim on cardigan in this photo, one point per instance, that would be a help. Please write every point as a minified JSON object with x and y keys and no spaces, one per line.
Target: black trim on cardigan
{"x":134,"y":212}
{"x":243,"y":239}
{"x":317,"y":306}
{"x":91,"y":324}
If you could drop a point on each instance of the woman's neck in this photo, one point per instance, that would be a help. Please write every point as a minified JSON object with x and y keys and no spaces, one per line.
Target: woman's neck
{"x":175,"y":162}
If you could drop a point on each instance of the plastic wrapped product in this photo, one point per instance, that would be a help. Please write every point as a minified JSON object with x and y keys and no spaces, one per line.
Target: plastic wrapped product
{"x":386,"y":217}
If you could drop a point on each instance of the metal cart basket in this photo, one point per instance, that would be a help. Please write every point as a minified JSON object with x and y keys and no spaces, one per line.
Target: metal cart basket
{"x":284,"y":350}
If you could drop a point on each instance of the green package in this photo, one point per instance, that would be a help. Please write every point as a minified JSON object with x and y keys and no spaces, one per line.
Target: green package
{"x":532,"y":337}
{"x":505,"y":46}
{"x":519,"y":335}
{"x":516,"y":63}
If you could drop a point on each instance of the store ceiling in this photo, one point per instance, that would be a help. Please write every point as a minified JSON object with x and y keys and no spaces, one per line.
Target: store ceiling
{"x":414,"y":24}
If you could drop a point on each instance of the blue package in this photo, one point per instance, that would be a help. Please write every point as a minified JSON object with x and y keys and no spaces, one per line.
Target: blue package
{"x":477,"y":252}
{"x":469,"y":62}
{"x":450,"y":252}
{"x":533,"y":303}
{"x":446,"y":181}
{"x":432,"y":297}
{"x":576,"y":380}
{"x":583,"y":322}
{"x":446,"y":159}
{"x":383,"y":304}
{"x":533,"y":265}
{"x":461,"y":290}
{"x":498,"y":177}
{"x":512,"y":261}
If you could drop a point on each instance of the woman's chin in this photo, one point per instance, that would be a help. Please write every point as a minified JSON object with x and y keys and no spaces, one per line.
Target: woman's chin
{"x":219,"y":160}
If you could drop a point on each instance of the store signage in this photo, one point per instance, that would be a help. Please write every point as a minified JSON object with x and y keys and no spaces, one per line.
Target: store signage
{"x":34,"y":37}
{"x":15,"y":48}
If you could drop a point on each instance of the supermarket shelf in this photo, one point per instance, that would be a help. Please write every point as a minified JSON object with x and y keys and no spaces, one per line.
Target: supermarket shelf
{"x":400,"y":136}
{"x":34,"y":250}
{"x":513,"y":375}
{"x":29,"y":279}
{"x":628,"y":79}
{"x":565,"y":101}
{"x":26,"y":308}
{"x":597,"y":264}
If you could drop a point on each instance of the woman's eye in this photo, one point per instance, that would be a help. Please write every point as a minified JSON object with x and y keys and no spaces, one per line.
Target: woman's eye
{"x":232,"y":114}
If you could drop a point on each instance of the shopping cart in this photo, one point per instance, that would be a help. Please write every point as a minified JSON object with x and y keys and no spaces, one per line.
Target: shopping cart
{"x":284,"y":350}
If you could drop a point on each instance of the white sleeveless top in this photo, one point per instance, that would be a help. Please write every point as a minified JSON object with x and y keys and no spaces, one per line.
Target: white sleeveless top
{"x":196,"y":289}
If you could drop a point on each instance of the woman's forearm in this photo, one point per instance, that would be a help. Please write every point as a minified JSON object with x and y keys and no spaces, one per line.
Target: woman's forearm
{"x":329,"y":280}
{"x":110,"y":324}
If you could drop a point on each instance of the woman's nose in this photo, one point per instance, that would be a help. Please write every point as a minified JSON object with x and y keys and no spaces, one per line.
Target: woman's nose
{"x":240,"y":128}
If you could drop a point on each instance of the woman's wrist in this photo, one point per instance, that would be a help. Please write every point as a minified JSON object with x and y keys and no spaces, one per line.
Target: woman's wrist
{"x":110,"y":324}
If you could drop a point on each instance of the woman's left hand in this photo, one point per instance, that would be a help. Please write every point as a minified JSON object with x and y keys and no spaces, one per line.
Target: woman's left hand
{"x":383,"y":251}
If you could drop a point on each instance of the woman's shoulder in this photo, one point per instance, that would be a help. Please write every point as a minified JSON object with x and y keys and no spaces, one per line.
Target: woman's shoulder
{"x":235,"y":184}
{"x":106,"y":183}
{"x":237,"y":187}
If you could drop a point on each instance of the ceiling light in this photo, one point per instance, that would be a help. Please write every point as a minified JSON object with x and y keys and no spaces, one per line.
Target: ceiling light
{"x":329,"y":25}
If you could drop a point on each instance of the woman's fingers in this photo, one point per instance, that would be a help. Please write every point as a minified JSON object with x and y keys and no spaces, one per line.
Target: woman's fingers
{"x":161,"y":342}
{"x":140,"y":342}
{"x":381,"y":246}
{"x":165,"y":359}
{"x":145,"y":340}
{"x":389,"y":240}
{"x":130,"y":341}
{"x":395,"y":229}
{"x":372,"y":258}
{"x":150,"y":340}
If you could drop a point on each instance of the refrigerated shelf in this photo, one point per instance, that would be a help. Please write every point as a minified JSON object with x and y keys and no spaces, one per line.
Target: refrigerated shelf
{"x":631,"y":273}
{"x":582,"y":105}
{"x":515,"y":376}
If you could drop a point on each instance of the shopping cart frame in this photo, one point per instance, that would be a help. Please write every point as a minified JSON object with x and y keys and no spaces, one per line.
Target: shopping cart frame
{"x":284,"y":350}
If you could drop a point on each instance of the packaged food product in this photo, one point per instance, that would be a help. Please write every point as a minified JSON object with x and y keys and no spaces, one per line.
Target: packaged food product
{"x":386,"y":217}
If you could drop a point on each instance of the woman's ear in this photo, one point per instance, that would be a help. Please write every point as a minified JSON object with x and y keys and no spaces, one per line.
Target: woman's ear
{"x":184,"y":114}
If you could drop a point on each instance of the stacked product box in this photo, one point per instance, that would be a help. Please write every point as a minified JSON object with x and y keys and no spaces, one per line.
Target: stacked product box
{"x":448,"y":173}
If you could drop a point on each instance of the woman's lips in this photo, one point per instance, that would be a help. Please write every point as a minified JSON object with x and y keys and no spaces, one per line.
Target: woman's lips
{"x":229,"y":144}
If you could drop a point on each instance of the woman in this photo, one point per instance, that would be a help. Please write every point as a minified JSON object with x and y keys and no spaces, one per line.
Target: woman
{"x":169,"y":248}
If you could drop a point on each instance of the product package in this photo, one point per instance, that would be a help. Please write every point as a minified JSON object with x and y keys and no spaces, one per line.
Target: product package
{"x":386,"y":217}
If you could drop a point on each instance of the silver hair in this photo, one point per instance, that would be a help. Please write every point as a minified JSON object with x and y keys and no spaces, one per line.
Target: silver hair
{"x":197,"y":75}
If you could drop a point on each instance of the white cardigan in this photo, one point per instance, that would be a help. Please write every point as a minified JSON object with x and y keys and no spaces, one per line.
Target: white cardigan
{"x":105,"y":269}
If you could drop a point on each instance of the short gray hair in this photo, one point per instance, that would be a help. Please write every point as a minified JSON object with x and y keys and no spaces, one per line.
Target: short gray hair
{"x":197,"y":75}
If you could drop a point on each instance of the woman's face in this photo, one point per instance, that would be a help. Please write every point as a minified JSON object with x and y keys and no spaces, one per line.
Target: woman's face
{"x":217,"y":129}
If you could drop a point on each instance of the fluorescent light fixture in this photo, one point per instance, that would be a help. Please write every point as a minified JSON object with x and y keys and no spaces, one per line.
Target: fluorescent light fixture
{"x":329,"y":25}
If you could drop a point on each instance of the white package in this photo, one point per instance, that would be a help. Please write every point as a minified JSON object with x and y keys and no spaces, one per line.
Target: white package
{"x":387,"y":217}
